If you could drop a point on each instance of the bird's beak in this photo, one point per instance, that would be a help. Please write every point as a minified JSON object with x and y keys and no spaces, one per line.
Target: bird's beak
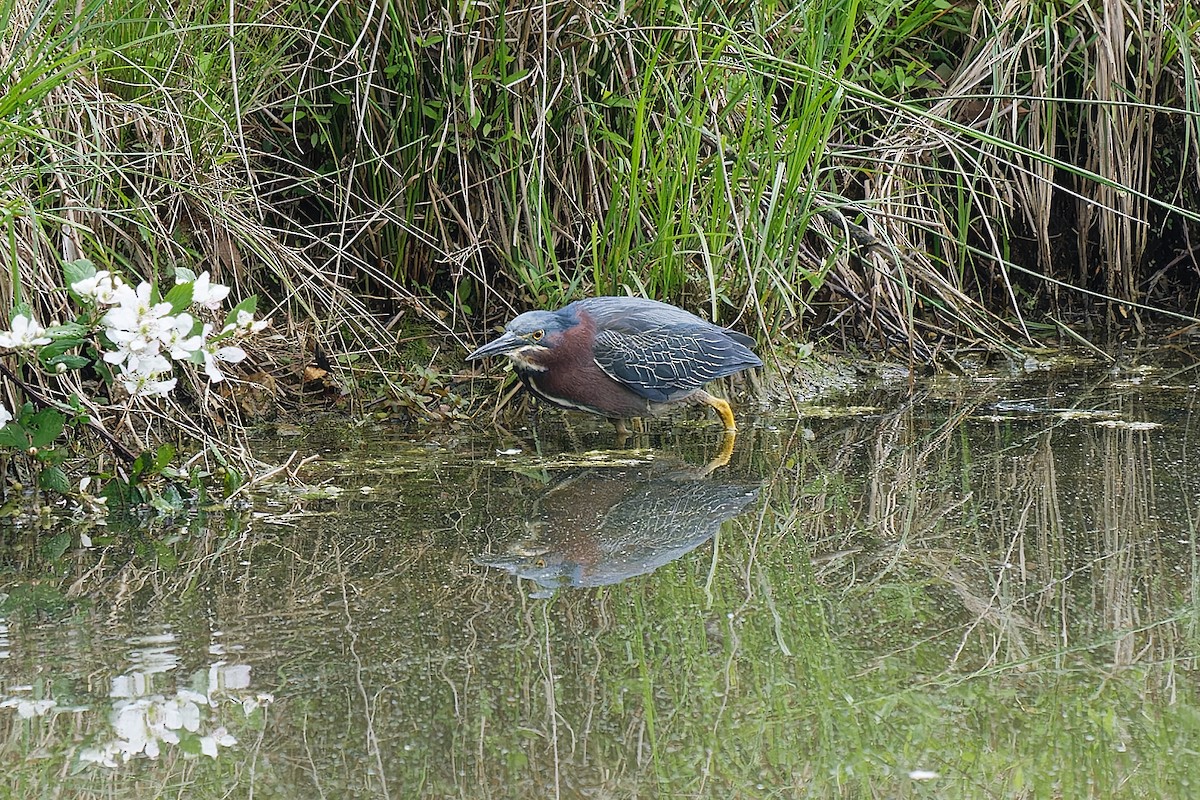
{"x":505,"y":344}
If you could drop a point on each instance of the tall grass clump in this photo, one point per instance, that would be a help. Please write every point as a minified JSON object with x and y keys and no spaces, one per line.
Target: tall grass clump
{"x":1057,"y":155}
{"x":498,"y":157}
{"x":915,"y":173}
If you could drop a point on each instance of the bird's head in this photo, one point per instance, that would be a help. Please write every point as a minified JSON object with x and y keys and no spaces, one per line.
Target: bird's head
{"x":528,"y":337}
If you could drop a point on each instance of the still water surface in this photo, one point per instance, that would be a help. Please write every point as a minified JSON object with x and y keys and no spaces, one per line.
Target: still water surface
{"x":986,"y":589}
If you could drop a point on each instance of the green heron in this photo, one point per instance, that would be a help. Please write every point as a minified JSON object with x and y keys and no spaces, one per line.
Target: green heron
{"x":603,"y":525}
{"x":622,"y":357}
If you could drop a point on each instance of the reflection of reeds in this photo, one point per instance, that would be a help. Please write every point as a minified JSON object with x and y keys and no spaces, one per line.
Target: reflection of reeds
{"x":933,"y":588}
{"x":1130,"y":537}
{"x":1022,"y":554}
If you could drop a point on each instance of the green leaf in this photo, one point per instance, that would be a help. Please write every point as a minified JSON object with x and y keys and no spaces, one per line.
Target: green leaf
{"x":163,"y":457}
{"x":77,"y":270}
{"x":165,"y":559}
{"x":249,"y":304}
{"x":69,"y":361}
{"x":233,"y":481}
{"x":57,"y":348}
{"x":44,"y":427}
{"x":143,"y":462}
{"x":189,"y":743}
{"x":54,"y":547}
{"x":13,"y":436}
{"x":513,"y":77}
{"x":68,"y":330}
{"x":121,"y":494}
{"x":180,"y":297}
{"x":184,"y":275}
{"x":170,"y":501}
{"x":54,"y":480}
{"x":41,"y":597}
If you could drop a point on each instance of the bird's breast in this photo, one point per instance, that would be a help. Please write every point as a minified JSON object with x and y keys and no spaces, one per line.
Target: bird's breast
{"x":585,"y":388}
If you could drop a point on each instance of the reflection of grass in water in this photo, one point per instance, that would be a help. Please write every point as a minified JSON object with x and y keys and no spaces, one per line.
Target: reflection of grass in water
{"x":997,"y":603}
{"x":858,"y":708}
{"x":920,"y":653}
{"x":1047,"y":676}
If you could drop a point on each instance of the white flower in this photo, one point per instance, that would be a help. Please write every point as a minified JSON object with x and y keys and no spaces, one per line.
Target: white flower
{"x":104,"y":756}
{"x":225,"y":677}
{"x":177,"y":339}
{"x":245,"y":324}
{"x":196,"y":698}
{"x":131,"y":721}
{"x":140,"y":329}
{"x":25,"y":333}
{"x":137,"y":324}
{"x":5,"y":415}
{"x":138,"y":300}
{"x":140,"y":372}
{"x":150,"y":365}
{"x":231,"y":355}
{"x":131,"y":685}
{"x":28,"y":709}
{"x":208,"y":294}
{"x":146,"y":385}
{"x":250,"y":704}
{"x":220,"y":736}
{"x":168,"y":716}
{"x":101,"y":287}
{"x":124,"y":354}
{"x":185,"y":713}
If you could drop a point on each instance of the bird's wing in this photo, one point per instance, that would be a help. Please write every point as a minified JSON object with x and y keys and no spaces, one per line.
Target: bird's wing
{"x":663,"y":365}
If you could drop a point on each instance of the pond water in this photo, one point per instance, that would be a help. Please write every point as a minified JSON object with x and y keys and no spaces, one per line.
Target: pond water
{"x":986,"y":588}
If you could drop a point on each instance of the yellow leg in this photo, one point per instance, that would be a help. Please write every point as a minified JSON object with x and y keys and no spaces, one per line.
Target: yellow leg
{"x":723,"y":456}
{"x":722,"y":408}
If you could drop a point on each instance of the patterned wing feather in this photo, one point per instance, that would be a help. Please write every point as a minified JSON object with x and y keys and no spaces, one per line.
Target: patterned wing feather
{"x":664,"y":365}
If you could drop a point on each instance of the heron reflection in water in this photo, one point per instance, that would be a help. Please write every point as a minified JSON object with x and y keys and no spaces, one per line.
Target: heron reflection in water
{"x":599,"y":526}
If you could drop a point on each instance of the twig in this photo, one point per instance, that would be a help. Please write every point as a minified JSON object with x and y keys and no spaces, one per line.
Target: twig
{"x":45,"y":402}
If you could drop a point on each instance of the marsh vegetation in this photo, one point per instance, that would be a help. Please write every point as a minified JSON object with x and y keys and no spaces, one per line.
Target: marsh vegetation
{"x":910,"y":179}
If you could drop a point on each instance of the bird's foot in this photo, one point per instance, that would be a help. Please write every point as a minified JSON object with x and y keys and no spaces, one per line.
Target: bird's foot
{"x":721,"y":407}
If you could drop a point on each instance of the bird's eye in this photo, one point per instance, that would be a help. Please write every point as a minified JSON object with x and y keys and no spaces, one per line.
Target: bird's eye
{"x":537,"y":335}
